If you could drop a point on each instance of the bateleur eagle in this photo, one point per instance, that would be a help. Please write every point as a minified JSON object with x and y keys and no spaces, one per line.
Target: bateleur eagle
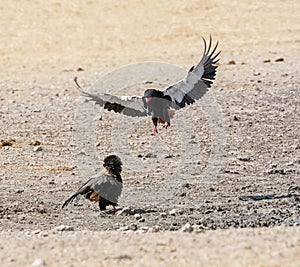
{"x":158,"y":103}
{"x":104,"y":188}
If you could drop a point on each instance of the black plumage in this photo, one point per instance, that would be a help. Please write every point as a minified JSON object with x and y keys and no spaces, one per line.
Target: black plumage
{"x":105,"y":188}
{"x":159,"y":103}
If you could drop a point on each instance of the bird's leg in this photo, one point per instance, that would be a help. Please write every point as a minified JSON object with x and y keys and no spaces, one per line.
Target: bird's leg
{"x":154,"y":129}
{"x":166,"y":125}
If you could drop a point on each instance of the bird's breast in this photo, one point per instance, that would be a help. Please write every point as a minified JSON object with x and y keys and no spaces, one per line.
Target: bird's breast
{"x":94,"y":197}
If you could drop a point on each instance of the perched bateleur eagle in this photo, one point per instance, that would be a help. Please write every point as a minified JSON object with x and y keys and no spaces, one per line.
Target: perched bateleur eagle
{"x":158,"y":103}
{"x":104,"y":188}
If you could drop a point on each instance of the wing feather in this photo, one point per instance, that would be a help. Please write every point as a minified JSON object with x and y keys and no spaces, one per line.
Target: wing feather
{"x":133,"y":106}
{"x":108,"y":187}
{"x":105,"y":186}
{"x":198,"y":80}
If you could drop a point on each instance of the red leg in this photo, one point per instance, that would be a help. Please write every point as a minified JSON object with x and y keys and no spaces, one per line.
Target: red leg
{"x":154,"y":130}
{"x":166,"y":125}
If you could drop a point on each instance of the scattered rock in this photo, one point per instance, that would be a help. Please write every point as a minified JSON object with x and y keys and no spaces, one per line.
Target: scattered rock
{"x":133,"y":227}
{"x":9,"y":142}
{"x":154,"y":229}
{"x":231,"y":62}
{"x":137,"y":216}
{"x":173,"y":212}
{"x":244,"y":158}
{"x":150,"y":155}
{"x":187,"y":228}
{"x":125,"y":212}
{"x":63,"y":228}
{"x":279,"y":59}
{"x":124,"y":228}
{"x":276,"y":171}
{"x":208,"y":211}
{"x":235,"y":118}
{"x":18,"y":191}
{"x":35,"y":143}
{"x":267,"y":61}
{"x":43,"y":234}
{"x":38,"y":263}
{"x":141,"y":220}
{"x":163,"y":214}
{"x":38,"y":148}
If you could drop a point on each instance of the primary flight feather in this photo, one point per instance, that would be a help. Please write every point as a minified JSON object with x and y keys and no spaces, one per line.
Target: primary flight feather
{"x":158,"y":103}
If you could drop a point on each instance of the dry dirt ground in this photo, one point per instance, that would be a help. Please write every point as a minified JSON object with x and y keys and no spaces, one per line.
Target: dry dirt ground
{"x":231,"y":161}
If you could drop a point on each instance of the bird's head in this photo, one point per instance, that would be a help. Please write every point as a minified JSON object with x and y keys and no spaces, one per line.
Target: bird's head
{"x":113,"y":164}
{"x":149,"y":94}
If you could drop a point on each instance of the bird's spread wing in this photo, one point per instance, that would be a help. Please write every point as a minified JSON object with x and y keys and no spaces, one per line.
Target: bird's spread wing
{"x":133,"y":106}
{"x":84,"y":189}
{"x":197,"y":81}
{"x":104,"y":185}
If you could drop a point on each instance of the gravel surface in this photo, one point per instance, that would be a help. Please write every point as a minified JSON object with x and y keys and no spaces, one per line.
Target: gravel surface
{"x":230,"y":161}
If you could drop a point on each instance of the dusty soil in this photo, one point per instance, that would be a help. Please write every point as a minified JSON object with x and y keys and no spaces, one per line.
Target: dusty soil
{"x":231,"y":161}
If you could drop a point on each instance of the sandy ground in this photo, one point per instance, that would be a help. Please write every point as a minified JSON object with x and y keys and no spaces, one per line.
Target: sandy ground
{"x":233,"y":164}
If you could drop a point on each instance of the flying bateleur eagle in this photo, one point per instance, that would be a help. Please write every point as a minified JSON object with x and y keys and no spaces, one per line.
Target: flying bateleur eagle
{"x":158,"y":103}
{"x":104,"y":188}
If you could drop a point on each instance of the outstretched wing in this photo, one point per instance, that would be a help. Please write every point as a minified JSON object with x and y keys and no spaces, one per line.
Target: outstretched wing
{"x":133,"y":106}
{"x":197,"y":81}
{"x":84,"y":189}
{"x":103,"y":185}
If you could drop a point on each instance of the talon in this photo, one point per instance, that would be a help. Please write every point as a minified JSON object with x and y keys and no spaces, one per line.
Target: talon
{"x":154,"y":130}
{"x":166,"y":125}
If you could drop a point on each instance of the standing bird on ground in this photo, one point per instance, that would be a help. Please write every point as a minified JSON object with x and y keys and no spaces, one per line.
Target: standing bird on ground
{"x":159,"y":103}
{"x":105,"y":188}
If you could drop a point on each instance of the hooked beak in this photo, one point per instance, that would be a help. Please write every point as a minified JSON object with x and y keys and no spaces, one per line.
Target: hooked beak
{"x":148,"y":98}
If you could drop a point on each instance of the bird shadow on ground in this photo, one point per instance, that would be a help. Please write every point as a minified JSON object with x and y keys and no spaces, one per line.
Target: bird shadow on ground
{"x":271,"y":196}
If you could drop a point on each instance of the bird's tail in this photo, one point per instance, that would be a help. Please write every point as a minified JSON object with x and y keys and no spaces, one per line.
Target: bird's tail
{"x":68,"y":201}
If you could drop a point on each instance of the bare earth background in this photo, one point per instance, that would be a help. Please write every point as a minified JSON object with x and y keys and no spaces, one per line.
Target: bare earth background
{"x":43,"y":45}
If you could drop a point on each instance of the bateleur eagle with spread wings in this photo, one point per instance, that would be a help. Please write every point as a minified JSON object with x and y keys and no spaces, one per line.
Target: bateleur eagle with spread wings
{"x":104,"y":188}
{"x":159,"y":103}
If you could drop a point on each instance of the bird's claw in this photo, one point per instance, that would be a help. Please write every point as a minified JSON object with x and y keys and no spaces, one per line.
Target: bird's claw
{"x":166,"y":125}
{"x":154,"y":130}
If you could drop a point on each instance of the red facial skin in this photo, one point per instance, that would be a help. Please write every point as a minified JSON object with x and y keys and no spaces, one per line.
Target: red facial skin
{"x":148,"y":99}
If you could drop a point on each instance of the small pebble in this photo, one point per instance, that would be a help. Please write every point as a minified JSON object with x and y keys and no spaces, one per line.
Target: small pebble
{"x":35,"y":143}
{"x":62,"y":228}
{"x":125,"y":212}
{"x":38,"y":148}
{"x":173,"y":212}
{"x":187,"y":228}
{"x":244,"y":158}
{"x":163,"y":214}
{"x":137,"y":216}
{"x":38,"y":262}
